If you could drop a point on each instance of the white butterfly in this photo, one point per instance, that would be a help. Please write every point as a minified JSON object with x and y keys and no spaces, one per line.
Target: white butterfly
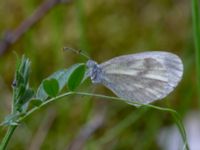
{"x":142,"y":77}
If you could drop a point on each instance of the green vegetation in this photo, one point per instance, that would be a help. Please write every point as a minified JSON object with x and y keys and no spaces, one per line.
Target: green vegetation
{"x":103,"y":29}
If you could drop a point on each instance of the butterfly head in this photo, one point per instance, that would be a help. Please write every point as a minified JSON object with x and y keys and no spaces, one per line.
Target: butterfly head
{"x":94,"y":71}
{"x":91,"y":63}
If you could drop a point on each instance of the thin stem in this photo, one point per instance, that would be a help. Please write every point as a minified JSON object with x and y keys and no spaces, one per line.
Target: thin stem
{"x":91,"y":94}
{"x":10,"y":130}
{"x":196,"y":32}
{"x":43,"y":104}
{"x":13,"y":101}
{"x":7,"y":137}
{"x":173,"y":112}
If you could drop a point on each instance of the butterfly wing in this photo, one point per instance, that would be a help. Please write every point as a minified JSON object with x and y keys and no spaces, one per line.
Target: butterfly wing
{"x":143,"y":77}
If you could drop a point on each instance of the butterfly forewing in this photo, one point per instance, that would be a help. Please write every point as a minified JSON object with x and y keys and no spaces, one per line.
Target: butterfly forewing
{"x":142,"y":77}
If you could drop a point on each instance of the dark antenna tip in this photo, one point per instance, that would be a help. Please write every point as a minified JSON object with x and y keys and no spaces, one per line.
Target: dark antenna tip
{"x":76,"y":51}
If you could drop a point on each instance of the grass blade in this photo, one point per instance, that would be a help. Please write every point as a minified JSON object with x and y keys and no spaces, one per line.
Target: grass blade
{"x":196,"y":32}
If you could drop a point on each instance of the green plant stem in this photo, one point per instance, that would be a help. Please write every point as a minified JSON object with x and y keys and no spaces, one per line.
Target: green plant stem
{"x":43,"y":104}
{"x":90,"y":94}
{"x":10,"y":129}
{"x":7,"y":137}
{"x":175,"y":115}
{"x":196,"y":32}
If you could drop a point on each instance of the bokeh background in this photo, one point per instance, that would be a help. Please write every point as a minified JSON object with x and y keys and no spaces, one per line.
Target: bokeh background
{"x":103,"y":29}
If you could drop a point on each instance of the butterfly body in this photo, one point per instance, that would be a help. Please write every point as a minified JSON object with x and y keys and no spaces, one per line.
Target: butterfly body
{"x":143,"y":77}
{"x":94,"y":72}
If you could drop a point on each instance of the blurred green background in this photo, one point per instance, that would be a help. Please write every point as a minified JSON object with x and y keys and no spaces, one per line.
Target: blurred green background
{"x":104,"y":29}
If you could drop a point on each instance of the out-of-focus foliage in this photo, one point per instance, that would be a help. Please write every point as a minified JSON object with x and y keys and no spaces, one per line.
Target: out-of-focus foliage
{"x":104,"y":29}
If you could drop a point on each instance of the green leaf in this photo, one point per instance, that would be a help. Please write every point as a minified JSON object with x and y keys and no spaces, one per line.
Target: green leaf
{"x":21,"y":102}
{"x":21,"y":91}
{"x":61,"y":76}
{"x":51,"y":87}
{"x":41,"y":94}
{"x":24,"y":69}
{"x":35,"y":102}
{"x":76,"y":76}
{"x":19,"y":78}
{"x":27,"y":96}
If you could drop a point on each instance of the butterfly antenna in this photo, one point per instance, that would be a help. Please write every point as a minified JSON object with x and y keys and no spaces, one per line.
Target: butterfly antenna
{"x":76,"y":51}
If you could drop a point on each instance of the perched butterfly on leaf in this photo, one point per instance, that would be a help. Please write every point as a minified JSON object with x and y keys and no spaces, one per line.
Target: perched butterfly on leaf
{"x":141,"y":78}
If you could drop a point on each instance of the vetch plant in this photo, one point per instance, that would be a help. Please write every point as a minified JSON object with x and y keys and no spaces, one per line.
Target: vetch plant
{"x":25,"y":101}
